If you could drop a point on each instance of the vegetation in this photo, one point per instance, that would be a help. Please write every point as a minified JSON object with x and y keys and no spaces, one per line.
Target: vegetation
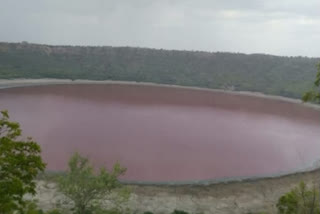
{"x":314,"y":94}
{"x":301,"y":200}
{"x":86,"y":188}
{"x":285,"y":76}
{"x":32,"y":208}
{"x":20,"y":160}
{"x":20,"y":163}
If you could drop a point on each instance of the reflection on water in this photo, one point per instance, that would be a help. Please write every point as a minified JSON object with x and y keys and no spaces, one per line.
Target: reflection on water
{"x":166,"y":134}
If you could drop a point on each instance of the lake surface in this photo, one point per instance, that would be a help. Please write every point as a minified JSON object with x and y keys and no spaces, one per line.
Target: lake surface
{"x":165,"y":133}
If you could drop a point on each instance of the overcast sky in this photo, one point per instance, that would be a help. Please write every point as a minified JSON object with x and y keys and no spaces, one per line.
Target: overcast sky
{"x":280,"y":27}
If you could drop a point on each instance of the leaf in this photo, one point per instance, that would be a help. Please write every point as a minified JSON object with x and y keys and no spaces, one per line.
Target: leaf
{"x":20,"y":163}
{"x":86,"y":188}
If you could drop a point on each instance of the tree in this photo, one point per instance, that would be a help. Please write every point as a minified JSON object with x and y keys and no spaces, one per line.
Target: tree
{"x":86,"y":188}
{"x":20,"y":163}
{"x":314,"y":94}
{"x":300,"y":200}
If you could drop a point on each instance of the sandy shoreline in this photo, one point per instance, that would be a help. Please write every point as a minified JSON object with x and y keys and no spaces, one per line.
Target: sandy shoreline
{"x":11,"y":83}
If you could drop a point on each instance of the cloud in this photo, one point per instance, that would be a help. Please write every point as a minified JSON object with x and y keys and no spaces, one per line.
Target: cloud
{"x":286,"y":27}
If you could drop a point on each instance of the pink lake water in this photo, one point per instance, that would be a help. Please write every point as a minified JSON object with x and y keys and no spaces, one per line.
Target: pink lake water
{"x":166,"y":134}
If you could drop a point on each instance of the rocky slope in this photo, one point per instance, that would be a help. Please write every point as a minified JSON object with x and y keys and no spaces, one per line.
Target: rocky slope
{"x":250,"y":196}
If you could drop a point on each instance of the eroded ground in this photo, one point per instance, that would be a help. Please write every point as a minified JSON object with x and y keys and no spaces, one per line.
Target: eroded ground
{"x":223,"y":198}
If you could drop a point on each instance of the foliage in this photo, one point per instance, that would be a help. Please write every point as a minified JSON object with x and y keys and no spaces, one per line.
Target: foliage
{"x":285,"y":76}
{"x":20,"y":163}
{"x":300,"y":200}
{"x":99,"y":210}
{"x":32,"y":208}
{"x":86,"y":188}
{"x":314,"y":94}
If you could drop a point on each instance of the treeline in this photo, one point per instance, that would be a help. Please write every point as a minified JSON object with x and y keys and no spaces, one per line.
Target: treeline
{"x":285,"y":76}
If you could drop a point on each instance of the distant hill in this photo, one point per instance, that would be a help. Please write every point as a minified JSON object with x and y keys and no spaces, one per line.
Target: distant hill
{"x":285,"y":76}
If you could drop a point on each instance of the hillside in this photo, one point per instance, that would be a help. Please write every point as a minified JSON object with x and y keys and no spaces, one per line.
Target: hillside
{"x":285,"y":76}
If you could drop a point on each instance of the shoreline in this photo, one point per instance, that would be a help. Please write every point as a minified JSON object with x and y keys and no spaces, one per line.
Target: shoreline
{"x":13,"y":83}
{"x":208,"y":182}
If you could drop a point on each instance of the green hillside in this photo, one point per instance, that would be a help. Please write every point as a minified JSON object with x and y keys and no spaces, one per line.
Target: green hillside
{"x":285,"y":76}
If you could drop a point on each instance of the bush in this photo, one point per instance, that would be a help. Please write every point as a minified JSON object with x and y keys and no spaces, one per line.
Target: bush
{"x":86,"y":188}
{"x":299,"y":200}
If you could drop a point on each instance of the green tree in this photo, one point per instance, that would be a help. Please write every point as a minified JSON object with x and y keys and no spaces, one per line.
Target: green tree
{"x":20,"y":163}
{"x":314,"y":94}
{"x":86,"y":188}
{"x":284,"y":76}
{"x":300,"y":200}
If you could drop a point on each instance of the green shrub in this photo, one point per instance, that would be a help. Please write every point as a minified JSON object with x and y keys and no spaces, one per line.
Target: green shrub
{"x":86,"y":188}
{"x":299,"y":200}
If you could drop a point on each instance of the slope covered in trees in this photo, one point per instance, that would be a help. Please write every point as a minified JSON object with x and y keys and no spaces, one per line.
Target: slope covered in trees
{"x":285,"y":76}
